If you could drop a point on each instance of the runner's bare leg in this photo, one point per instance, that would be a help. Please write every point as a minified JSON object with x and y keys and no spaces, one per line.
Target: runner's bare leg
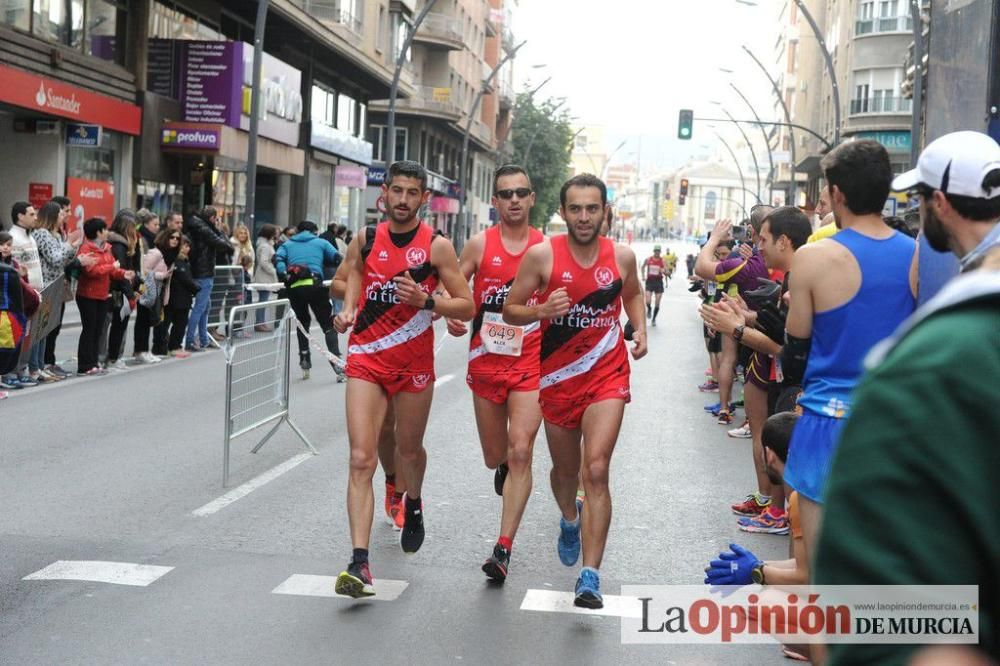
{"x":601,"y":423}
{"x":366,"y":407}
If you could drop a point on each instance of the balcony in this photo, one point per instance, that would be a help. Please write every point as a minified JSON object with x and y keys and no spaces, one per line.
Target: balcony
{"x":330,"y":13}
{"x":897,"y":105}
{"x":883,"y":24}
{"x":489,"y":85}
{"x":429,"y":101}
{"x":481,"y":132}
{"x":440,"y":31}
{"x":507,"y":96}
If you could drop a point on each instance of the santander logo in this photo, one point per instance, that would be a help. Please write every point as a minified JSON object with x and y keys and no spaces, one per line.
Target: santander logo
{"x":49,"y":99}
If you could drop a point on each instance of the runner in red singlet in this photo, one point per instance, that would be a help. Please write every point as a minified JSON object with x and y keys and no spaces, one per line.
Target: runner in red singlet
{"x":653,"y":269}
{"x":582,"y":281}
{"x":388,"y":303}
{"x":395,"y":482}
{"x":503,"y":359}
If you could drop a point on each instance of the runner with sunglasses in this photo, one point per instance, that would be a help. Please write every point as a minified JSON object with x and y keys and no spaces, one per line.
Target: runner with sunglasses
{"x":503,"y":359}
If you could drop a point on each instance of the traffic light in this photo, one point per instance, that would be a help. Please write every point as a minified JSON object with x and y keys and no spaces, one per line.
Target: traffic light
{"x":681,"y":199}
{"x":684,"y":124}
{"x":684,"y":187}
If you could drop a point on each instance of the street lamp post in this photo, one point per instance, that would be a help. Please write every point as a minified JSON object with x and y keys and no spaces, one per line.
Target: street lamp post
{"x":607,"y":161}
{"x":753,"y":154}
{"x":739,"y":170}
{"x":463,"y":167}
{"x":534,"y":135}
{"x":510,"y":126}
{"x":829,"y":68}
{"x":918,"y":82}
{"x":767,"y":141}
{"x":788,"y":121}
{"x":390,"y":130}
{"x":249,"y":211}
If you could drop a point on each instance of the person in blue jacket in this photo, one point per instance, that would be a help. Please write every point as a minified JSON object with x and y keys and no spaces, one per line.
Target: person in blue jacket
{"x":300,"y":261}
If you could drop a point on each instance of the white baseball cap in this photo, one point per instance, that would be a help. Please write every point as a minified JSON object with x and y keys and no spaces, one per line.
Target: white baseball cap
{"x":956,"y":164}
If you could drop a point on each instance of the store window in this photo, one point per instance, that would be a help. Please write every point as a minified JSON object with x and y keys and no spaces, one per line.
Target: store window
{"x":105,"y":30}
{"x":347,"y":113}
{"x":229,"y":195}
{"x":167,"y":21}
{"x":93,"y":163}
{"x":376,"y":137}
{"x":16,"y":14}
{"x":58,"y":21}
{"x":323,"y":106}
{"x":320,"y":193}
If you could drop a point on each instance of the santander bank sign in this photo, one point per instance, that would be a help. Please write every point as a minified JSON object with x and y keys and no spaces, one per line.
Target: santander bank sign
{"x":50,"y":99}
{"x":55,"y":98}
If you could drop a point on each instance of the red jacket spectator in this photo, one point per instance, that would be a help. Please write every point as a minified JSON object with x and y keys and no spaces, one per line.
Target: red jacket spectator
{"x":95,"y":281}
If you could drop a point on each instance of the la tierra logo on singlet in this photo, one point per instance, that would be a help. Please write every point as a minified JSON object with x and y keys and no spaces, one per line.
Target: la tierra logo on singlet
{"x":604,"y":277}
{"x":416,"y":256}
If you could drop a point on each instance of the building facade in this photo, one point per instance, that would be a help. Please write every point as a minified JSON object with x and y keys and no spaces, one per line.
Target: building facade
{"x":135,"y":103}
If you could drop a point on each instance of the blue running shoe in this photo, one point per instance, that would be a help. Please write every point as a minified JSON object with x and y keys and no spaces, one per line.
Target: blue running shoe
{"x":588,"y":590}
{"x":718,"y":408}
{"x":713,"y":408}
{"x":569,"y":538}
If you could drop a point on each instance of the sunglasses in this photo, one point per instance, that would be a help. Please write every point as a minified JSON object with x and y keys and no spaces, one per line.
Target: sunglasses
{"x":176,"y":238}
{"x":521,"y":192}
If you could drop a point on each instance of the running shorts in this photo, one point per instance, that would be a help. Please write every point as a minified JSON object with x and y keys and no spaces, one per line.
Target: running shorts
{"x":810,"y":453}
{"x":654,"y":286}
{"x":569,"y":413}
{"x":498,"y":387}
{"x":756,"y":370}
{"x":391,"y":384}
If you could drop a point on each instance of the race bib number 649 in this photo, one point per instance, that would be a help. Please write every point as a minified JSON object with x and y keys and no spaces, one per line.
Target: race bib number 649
{"x":499,"y":337}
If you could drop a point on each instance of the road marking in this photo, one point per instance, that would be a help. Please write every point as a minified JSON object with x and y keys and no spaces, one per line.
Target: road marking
{"x":442,"y":380}
{"x":552,"y":601}
{"x":253,"y":484}
{"x":117,"y":573}
{"x":307,"y":585}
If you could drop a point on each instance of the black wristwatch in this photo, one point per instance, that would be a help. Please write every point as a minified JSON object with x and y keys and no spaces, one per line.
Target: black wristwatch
{"x":429,"y":303}
{"x":738,"y":333}
{"x":757,"y":574}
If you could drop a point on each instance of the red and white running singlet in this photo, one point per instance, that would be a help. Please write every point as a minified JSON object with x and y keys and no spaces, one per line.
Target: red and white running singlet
{"x":583,"y":352}
{"x":495,"y":274}
{"x":390,"y":338}
{"x":655,"y":267}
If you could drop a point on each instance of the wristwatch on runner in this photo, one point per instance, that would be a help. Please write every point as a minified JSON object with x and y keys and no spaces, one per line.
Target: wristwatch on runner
{"x":757,"y":574}
{"x":738,"y":333}
{"x":429,"y":303}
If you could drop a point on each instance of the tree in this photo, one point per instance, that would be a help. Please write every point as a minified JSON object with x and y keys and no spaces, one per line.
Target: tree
{"x":547,"y":134}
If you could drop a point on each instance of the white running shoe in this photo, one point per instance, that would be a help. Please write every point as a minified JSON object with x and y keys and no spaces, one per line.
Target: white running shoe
{"x":148,"y":357}
{"x":743,"y":432}
{"x":120,"y":364}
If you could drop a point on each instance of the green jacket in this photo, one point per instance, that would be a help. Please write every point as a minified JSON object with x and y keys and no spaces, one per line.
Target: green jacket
{"x":913,"y":490}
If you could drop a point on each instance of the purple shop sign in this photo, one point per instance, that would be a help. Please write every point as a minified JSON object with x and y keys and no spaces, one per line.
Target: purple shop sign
{"x":350,"y":176}
{"x":212,"y":82}
{"x":191,"y":137}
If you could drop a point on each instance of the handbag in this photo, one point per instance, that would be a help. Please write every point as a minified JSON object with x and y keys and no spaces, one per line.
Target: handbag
{"x":150,"y":290}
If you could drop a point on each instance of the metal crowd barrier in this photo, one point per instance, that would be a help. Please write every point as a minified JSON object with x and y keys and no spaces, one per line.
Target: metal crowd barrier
{"x":227,"y":293}
{"x":257,"y":373}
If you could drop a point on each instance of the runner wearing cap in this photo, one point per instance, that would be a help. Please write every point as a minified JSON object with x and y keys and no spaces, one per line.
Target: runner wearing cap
{"x":653,"y":269}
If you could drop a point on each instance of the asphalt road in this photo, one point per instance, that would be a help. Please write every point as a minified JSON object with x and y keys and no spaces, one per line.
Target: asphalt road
{"x":111,"y":469}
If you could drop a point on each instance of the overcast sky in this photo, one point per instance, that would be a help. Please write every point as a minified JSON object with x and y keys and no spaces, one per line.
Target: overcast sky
{"x":630,"y":65}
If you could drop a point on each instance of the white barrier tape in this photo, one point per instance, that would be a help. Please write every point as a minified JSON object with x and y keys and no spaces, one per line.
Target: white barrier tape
{"x":330,"y":356}
{"x":273,"y":287}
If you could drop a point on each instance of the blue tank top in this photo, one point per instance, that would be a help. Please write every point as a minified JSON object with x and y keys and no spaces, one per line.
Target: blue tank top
{"x":843,"y":336}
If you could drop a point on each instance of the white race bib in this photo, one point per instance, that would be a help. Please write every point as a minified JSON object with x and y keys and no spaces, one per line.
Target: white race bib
{"x":499,"y":337}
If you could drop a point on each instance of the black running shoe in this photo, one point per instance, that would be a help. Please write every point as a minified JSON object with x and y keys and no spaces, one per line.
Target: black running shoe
{"x":305,"y":360}
{"x":499,"y":477}
{"x":496,"y":566}
{"x":356,"y":582}
{"x":412,"y":535}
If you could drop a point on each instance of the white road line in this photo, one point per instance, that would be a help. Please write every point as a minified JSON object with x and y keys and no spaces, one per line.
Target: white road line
{"x":307,"y":585}
{"x":253,"y":484}
{"x":442,"y":380}
{"x":552,"y":601}
{"x":117,"y":573}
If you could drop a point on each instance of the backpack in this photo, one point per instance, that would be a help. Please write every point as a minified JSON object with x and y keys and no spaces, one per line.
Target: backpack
{"x":150,"y":290}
